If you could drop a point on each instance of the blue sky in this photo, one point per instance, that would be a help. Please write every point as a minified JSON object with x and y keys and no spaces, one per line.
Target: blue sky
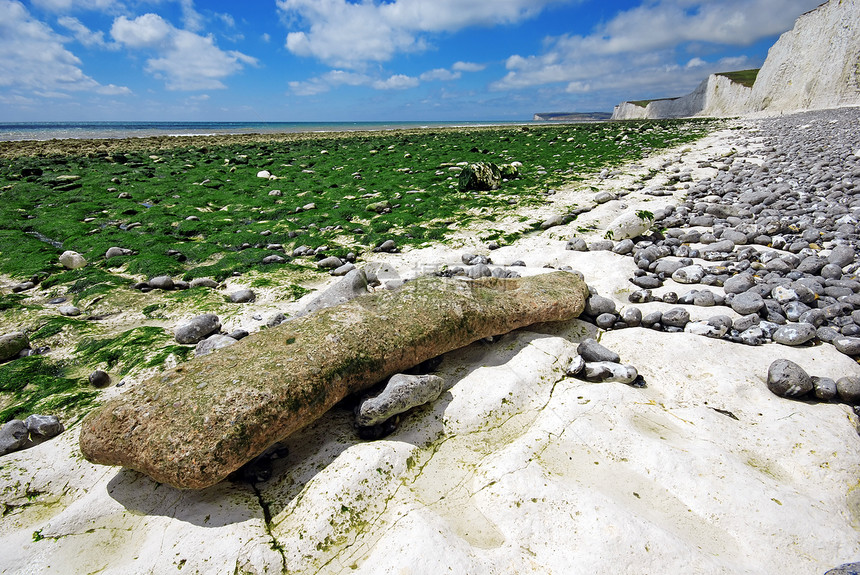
{"x":367,"y":60}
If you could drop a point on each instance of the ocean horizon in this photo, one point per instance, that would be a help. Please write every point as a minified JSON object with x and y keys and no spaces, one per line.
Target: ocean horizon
{"x":40,"y":131}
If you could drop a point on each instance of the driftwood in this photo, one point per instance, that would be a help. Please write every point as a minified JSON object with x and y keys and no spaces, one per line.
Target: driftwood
{"x":193,"y":425}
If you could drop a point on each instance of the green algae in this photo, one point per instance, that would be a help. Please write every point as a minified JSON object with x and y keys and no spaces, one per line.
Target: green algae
{"x":193,"y":208}
{"x":38,"y":384}
{"x":134,"y":349}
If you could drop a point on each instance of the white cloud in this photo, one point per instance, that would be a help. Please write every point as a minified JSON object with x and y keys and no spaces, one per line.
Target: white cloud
{"x":468,"y":67}
{"x":639,"y":49}
{"x":396,"y":82}
{"x":440,"y":74}
{"x":34,"y":59}
{"x":147,"y":31}
{"x":328,"y":81}
{"x":83,"y":34}
{"x":348,"y":34}
{"x":335,"y":78}
{"x":70,"y":5}
{"x":185,"y":60}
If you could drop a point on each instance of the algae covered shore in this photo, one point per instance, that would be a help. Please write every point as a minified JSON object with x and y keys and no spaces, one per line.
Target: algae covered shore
{"x":196,"y":207}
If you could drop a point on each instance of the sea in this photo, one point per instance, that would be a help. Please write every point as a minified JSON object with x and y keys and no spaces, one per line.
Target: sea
{"x":17,"y":131}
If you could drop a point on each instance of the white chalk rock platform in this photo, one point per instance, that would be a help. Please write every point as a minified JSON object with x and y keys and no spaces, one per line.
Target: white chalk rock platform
{"x":516,"y":468}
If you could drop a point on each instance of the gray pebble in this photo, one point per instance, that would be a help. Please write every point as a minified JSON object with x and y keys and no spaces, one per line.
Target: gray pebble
{"x":401,"y":393}
{"x":212,"y":343}
{"x":597,"y":304}
{"x":577,"y":364}
{"x":13,"y":436}
{"x":689,"y":274}
{"x":676,"y":317}
{"x":652,"y":318}
{"x":69,"y":310}
{"x":46,"y":426}
{"x":745,"y":322}
{"x":704,"y":298}
{"x":577,"y":245}
{"x":747,"y":303}
{"x":591,"y":351}
{"x":605,"y":320}
{"x":824,"y":388}
{"x":841,"y":255}
{"x":794,"y":334}
{"x":203,"y":282}
{"x":847,"y":345}
{"x":197,"y":329}
{"x":753,"y":336}
{"x":848,"y":389}
{"x":330,"y":263}
{"x":632,"y":316}
{"x":739,"y":284}
{"x":479,"y":271}
{"x":243,"y":296}
{"x":12,"y":344}
{"x":610,"y":371}
{"x":161,"y":282}
{"x":787,"y":379}
{"x":99,"y":378}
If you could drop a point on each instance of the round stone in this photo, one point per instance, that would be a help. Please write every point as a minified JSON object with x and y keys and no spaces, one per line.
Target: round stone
{"x":632,"y":316}
{"x":72,"y":260}
{"x":99,"y":378}
{"x":689,"y":274}
{"x":824,"y":388}
{"x":739,"y":284}
{"x":590,"y":350}
{"x":198,"y":328}
{"x":787,"y":379}
{"x":676,"y":317}
{"x":597,"y":304}
{"x":847,"y":345}
{"x":704,"y":298}
{"x":605,"y":320}
{"x":747,"y":303}
{"x":848,"y":389}
{"x":794,"y":334}
{"x":161,"y":282}
{"x":243,"y":296}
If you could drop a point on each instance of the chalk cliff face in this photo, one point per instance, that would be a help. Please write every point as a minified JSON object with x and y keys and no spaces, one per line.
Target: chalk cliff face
{"x":815,"y":65}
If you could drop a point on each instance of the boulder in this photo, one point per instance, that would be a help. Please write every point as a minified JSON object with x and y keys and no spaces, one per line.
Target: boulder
{"x":72,"y":260}
{"x":480,"y":176}
{"x":198,"y":328}
{"x":195,"y":424}
{"x":44,"y":425}
{"x":12,"y":344}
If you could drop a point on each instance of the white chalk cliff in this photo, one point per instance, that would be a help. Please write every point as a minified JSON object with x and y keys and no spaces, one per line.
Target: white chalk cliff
{"x":816,"y":65}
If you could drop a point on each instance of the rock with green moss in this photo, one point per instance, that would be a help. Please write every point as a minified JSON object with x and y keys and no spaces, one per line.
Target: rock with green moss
{"x":480,"y":176}
{"x":72,"y":260}
{"x":12,"y":344}
{"x":195,"y":424}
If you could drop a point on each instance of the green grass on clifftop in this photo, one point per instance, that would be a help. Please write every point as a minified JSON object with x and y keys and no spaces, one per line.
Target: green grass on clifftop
{"x":742,"y":77}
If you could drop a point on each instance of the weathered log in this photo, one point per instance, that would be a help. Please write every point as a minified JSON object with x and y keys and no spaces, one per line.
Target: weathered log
{"x":195,"y":424}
